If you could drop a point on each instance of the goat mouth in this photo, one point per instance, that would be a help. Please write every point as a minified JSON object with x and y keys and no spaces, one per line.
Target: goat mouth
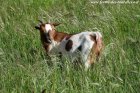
{"x":48,"y":41}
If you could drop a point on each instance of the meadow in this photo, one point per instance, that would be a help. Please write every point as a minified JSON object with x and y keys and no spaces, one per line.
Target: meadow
{"x":23,"y":63}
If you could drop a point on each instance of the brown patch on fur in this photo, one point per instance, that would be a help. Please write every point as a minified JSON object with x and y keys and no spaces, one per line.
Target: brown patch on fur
{"x":69,"y":45}
{"x":59,"y":36}
{"x":96,"y":50}
{"x":97,"y":45}
{"x":92,"y":55}
{"x":42,"y":28}
{"x":93,"y":38}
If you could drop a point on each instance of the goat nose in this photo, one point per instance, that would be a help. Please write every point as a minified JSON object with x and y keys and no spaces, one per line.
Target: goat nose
{"x":48,"y":40}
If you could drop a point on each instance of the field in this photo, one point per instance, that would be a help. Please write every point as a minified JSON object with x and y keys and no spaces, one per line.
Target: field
{"x":23,"y":67}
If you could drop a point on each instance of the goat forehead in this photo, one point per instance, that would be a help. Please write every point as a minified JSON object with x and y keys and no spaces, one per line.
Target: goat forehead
{"x":48,"y":27}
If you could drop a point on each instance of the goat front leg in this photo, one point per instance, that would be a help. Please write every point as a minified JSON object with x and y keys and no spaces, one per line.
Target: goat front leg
{"x":47,"y":49}
{"x":86,"y":61}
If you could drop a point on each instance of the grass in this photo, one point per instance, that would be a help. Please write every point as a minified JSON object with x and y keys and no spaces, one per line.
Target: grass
{"x":23,"y":67}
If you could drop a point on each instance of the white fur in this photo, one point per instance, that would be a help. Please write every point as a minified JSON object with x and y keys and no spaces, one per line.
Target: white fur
{"x":81,"y":39}
{"x":48,"y":27}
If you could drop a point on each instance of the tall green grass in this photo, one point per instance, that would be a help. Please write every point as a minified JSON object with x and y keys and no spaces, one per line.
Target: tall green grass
{"x":23,"y":66}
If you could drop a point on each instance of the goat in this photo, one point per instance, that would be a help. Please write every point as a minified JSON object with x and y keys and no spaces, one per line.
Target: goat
{"x":88,"y":43}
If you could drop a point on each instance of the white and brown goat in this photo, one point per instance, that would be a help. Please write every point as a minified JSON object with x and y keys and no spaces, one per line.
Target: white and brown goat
{"x":86,"y":45}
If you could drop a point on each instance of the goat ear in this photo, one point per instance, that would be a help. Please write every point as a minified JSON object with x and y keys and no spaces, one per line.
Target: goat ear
{"x":56,"y":24}
{"x":37,"y":27}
